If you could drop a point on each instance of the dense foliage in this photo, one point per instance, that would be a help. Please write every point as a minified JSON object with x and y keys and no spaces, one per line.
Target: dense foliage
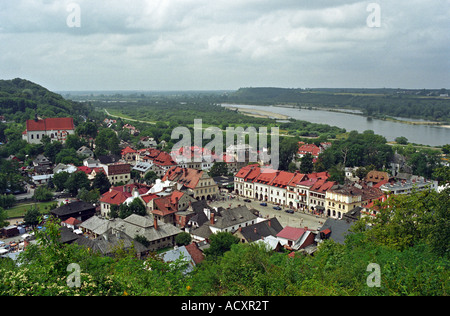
{"x":21,"y":99}
{"x":357,"y":150}
{"x":409,"y":242}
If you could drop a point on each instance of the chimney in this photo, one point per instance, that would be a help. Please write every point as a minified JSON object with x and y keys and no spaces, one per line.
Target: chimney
{"x":155,"y":222}
{"x":212,"y":218}
{"x":255,"y":230}
{"x":269,"y":223}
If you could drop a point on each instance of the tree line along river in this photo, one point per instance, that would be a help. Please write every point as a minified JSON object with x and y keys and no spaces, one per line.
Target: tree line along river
{"x":420,"y":134}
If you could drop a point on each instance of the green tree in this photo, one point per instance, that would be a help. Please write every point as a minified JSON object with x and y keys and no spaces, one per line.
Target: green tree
{"x":42,"y":194}
{"x":218,"y":169}
{"x":91,"y":196}
{"x":150,"y":177}
{"x":52,"y":149}
{"x":101,"y":182}
{"x":337,"y":174}
{"x":87,"y":129}
{"x":74,"y":142}
{"x":32,"y":216}
{"x":219,"y":244}
{"x":446,"y":149}
{"x":442,"y":175}
{"x":68,"y":156}
{"x":76,"y":181}
{"x":3,"y":217}
{"x":288,"y":149}
{"x":106,"y":142}
{"x":306,"y":163}
{"x":7,"y":200}
{"x":60,"y":179}
{"x":183,"y":239}
{"x":401,"y":140}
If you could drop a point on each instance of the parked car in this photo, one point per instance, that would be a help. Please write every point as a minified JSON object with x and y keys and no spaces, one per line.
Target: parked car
{"x":289,"y":211}
{"x":263,"y":204}
{"x":277,"y":208}
{"x":247,"y":200}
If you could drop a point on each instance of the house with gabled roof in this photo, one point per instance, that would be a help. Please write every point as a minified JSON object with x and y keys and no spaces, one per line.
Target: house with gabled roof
{"x":279,"y":187}
{"x":262,"y":184}
{"x":57,"y":128}
{"x":121,"y":194}
{"x":293,"y":193}
{"x":85,"y":152}
{"x":129,"y":155}
{"x":194,"y":182}
{"x":158,"y":234}
{"x":294,"y":238}
{"x":244,"y":178}
{"x":79,"y":210}
{"x":259,"y":230}
{"x":224,"y":220}
{"x":312,"y":149}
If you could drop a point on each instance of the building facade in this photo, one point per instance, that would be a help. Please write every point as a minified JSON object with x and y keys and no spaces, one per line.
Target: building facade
{"x":57,"y":129}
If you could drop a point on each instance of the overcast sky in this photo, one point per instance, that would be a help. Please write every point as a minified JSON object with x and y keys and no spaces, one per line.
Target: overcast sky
{"x":225,"y":44}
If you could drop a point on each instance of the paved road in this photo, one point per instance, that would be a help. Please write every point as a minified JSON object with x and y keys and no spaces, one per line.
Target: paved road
{"x":298,"y":219}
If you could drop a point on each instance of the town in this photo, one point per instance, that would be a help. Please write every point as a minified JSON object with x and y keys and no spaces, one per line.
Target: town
{"x":96,"y":198}
{"x":146,"y":198}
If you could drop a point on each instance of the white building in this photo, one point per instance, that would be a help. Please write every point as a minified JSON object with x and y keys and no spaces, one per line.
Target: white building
{"x":57,"y":129}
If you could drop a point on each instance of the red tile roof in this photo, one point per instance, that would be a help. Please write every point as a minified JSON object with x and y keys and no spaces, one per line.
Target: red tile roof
{"x":114,"y":197}
{"x":176,"y":196}
{"x":85,"y":169}
{"x":291,"y":233}
{"x":51,"y":124}
{"x":163,"y":206}
{"x":196,"y":254}
{"x":309,"y":148}
{"x":266,"y":177}
{"x":164,"y":159}
{"x":298,"y":177}
{"x":282,"y":179}
{"x":72,"y":221}
{"x":128,"y":150}
{"x":186,"y":176}
{"x":244,"y":171}
{"x":119,"y":168}
{"x":148,"y":197}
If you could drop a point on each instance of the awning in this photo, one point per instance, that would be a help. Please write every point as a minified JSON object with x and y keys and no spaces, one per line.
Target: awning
{"x":25,"y":236}
{"x":326,"y":231}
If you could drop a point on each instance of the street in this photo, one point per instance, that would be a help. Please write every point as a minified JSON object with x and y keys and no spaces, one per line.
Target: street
{"x":298,"y":219}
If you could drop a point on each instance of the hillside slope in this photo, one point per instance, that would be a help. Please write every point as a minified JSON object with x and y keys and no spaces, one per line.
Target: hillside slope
{"x":21,"y":99}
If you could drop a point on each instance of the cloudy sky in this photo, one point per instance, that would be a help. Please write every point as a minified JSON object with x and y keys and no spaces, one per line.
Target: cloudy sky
{"x":225,"y":44}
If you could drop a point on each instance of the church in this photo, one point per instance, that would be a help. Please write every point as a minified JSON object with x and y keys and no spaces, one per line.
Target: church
{"x":56,"y":128}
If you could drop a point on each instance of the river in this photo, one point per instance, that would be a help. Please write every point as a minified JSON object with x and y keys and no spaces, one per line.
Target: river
{"x":419,"y":134}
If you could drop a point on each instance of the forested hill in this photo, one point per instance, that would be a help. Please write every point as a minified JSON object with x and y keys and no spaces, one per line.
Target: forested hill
{"x":425,"y":104}
{"x":20,"y":99}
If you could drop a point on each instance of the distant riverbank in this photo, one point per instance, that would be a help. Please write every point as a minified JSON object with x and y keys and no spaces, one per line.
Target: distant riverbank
{"x":258,"y":113}
{"x":416,"y":131}
{"x":269,"y":114}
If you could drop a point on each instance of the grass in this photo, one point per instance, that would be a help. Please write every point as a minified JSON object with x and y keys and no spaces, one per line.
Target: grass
{"x":20,"y":209}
